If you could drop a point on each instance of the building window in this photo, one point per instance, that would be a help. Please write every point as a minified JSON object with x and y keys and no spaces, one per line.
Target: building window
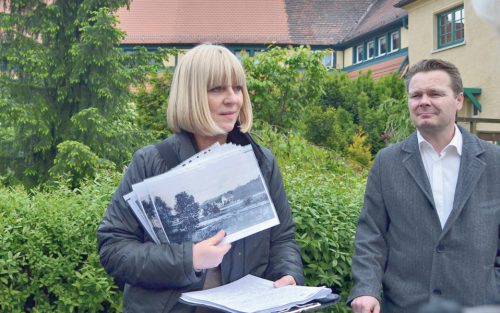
{"x":382,"y":45}
{"x":328,"y":59}
{"x":360,"y":53}
{"x":475,"y":111}
{"x":451,"y":27}
{"x":370,"y":49}
{"x":394,"y":41}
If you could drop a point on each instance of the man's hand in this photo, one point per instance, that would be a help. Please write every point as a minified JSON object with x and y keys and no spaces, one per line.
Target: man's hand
{"x":365,"y":304}
{"x":209,"y":253}
{"x":285,"y":281}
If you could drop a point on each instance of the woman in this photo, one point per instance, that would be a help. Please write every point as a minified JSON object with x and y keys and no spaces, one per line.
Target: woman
{"x":208,"y":103}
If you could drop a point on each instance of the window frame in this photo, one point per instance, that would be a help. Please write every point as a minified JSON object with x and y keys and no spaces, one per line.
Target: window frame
{"x":372,"y":55}
{"x":391,"y":41}
{"x":331,"y":57}
{"x":356,"y":57}
{"x":379,"y":53}
{"x":453,"y":30}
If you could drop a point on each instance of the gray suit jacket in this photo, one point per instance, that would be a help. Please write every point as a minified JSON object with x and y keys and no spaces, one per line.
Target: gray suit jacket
{"x":400,"y":247}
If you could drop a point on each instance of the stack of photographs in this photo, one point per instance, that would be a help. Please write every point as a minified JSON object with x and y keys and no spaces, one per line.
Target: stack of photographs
{"x":220,"y":188}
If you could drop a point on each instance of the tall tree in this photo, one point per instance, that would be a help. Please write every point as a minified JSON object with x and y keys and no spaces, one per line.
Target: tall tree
{"x":65,"y":80}
{"x":188,"y":211}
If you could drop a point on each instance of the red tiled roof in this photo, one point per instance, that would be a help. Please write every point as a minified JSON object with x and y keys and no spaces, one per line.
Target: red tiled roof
{"x":380,"y":14}
{"x":323,"y":22}
{"x":195,"y":21}
{"x":318,"y":22}
{"x":380,"y":69}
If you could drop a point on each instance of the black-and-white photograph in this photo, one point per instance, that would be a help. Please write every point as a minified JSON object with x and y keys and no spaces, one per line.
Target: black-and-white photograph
{"x":149,"y":211}
{"x":195,"y":203}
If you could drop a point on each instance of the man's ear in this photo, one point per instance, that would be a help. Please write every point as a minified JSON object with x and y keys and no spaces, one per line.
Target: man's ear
{"x":459,"y":100}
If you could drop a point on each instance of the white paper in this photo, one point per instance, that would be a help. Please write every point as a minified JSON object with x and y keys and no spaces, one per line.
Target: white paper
{"x":131,"y":199}
{"x":254,"y":294}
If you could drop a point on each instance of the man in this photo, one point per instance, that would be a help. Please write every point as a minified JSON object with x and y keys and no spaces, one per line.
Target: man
{"x":430,"y":221}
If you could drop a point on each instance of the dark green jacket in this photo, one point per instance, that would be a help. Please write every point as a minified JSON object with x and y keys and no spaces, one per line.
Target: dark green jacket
{"x":155,"y":275}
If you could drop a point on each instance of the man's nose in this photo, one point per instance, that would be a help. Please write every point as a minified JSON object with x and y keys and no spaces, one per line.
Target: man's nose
{"x":424,"y":100}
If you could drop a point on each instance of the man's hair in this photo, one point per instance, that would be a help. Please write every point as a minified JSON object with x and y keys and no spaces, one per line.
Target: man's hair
{"x":200,"y":69}
{"x":437,"y":65}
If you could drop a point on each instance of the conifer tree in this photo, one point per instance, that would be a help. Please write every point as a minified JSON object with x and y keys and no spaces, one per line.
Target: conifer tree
{"x":65,"y":88}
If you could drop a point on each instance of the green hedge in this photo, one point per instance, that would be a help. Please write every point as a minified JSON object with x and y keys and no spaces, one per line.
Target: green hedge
{"x":48,"y":253}
{"x":326,"y":195}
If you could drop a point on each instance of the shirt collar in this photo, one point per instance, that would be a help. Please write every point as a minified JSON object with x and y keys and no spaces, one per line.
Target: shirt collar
{"x":456,"y":141}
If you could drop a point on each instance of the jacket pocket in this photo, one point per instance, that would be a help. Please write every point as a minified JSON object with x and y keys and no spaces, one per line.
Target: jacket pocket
{"x":493,"y":290}
{"x":138,"y":300}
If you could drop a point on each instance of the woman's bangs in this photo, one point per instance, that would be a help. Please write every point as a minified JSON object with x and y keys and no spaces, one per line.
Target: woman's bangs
{"x":224,"y":72}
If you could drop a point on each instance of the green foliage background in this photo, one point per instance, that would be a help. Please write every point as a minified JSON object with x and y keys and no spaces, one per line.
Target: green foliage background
{"x":325,"y":194}
{"x":48,"y":255}
{"x":66,"y":79}
{"x":69,"y":122}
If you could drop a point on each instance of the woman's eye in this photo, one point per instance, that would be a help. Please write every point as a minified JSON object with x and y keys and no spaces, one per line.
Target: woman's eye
{"x":216,"y":89}
{"x":237,"y":88}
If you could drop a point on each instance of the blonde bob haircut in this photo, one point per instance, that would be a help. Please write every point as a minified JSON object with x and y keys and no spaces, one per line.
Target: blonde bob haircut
{"x":202,"y":68}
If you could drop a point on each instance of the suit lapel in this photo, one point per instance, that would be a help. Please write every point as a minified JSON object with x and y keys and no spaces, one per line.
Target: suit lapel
{"x":471,"y":169}
{"x":412,"y":161}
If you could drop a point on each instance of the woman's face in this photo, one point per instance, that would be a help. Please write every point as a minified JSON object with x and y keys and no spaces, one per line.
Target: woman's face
{"x":225,"y":103}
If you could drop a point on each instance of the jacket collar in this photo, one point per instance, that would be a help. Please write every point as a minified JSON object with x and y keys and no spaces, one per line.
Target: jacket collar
{"x":188,"y":146}
{"x":471,"y":169}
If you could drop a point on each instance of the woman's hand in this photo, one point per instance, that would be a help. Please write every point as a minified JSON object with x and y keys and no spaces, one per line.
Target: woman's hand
{"x":285,"y":281}
{"x":209,"y":253}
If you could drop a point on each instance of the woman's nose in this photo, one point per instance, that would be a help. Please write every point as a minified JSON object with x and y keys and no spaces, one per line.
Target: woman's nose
{"x":230,"y":95}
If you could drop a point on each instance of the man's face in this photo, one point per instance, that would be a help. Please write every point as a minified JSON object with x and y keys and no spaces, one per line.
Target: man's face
{"x":432,"y":102}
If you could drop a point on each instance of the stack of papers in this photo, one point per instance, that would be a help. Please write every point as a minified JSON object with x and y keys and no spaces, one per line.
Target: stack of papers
{"x":219,"y":188}
{"x":254,"y":294}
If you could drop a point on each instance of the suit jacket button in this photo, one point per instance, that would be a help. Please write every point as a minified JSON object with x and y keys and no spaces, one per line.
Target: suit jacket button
{"x":436,"y":292}
{"x":440,"y":248}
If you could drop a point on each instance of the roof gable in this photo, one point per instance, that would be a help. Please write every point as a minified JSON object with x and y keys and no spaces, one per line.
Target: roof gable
{"x":323,"y":22}
{"x":379,"y":15}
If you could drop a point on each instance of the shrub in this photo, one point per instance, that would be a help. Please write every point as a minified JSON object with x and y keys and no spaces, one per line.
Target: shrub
{"x":329,"y":127}
{"x":75,"y":161}
{"x":283,"y":81}
{"x":151,"y":104}
{"x":359,"y":151}
{"x":48,"y":252}
{"x":325,"y":195}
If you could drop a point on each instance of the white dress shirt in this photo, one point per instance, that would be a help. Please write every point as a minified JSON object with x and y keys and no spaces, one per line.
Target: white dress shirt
{"x":442,"y":172}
